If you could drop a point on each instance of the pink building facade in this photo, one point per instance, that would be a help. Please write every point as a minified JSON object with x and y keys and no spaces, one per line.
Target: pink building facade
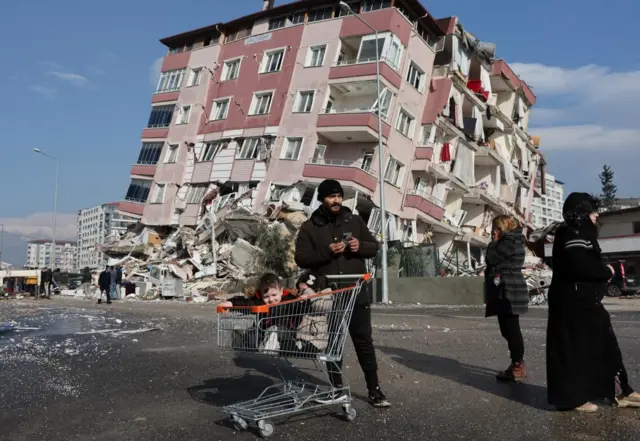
{"x":287,"y":97}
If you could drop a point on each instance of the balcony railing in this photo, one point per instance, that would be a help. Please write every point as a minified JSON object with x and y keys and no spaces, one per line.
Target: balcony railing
{"x":434,"y":200}
{"x":342,"y":163}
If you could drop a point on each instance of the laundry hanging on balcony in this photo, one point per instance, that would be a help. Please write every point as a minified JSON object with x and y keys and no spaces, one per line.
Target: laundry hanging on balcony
{"x":445,"y":153}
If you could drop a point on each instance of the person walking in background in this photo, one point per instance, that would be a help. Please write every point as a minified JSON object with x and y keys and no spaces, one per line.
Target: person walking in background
{"x":118,"y":292}
{"x":104,"y":283}
{"x":584,"y":362}
{"x":506,"y":292}
{"x":86,"y":281}
{"x":54,"y":284}
{"x":45,"y":283}
{"x":335,"y":242}
{"x":113,"y":278}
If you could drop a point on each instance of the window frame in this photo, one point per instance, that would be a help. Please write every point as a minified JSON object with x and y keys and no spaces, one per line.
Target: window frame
{"x":166,"y":78}
{"x":170,"y":110}
{"x":286,"y":153}
{"x":255,"y":102}
{"x":397,"y":173}
{"x":310,"y":56}
{"x":410,"y":124}
{"x":265,"y":63}
{"x":158,"y":190}
{"x":215,"y":109}
{"x":214,"y":147}
{"x":195,"y":77}
{"x":300,"y":100}
{"x":413,"y":66}
{"x":182,"y":119}
{"x":150,"y":150}
{"x":226,"y":69}
{"x":172,"y":154}
{"x":253,"y":153}
{"x":194,"y":190}
{"x":324,"y":9}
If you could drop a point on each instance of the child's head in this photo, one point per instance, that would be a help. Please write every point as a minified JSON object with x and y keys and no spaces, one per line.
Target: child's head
{"x":270,"y":288}
{"x":311,"y":280}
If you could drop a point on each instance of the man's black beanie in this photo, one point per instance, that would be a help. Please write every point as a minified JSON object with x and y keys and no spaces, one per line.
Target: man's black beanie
{"x":329,"y":187}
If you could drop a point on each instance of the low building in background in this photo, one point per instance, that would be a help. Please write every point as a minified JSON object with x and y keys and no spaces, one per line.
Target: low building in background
{"x":94,"y":226}
{"x":547,"y":209}
{"x":39,"y":255}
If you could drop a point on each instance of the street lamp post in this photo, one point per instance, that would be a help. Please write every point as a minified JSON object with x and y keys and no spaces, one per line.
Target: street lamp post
{"x":55,"y":206}
{"x":383,"y":214}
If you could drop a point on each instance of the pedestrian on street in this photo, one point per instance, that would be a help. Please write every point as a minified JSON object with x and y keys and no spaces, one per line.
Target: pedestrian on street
{"x":506,"y":292}
{"x":336,"y":242}
{"x":45,"y":282}
{"x":86,"y":281}
{"x":118,"y":282}
{"x":104,"y":283}
{"x":113,"y":280}
{"x":584,"y":362}
{"x":54,"y":284}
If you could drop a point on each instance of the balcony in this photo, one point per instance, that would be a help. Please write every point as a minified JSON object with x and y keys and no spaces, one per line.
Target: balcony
{"x":342,"y":170}
{"x":426,"y":203}
{"x":351,"y":113}
{"x":487,"y":157}
{"x":359,"y":68}
{"x":143,"y":169}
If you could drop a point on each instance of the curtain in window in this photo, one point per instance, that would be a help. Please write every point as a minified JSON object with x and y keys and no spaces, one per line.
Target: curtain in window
{"x":464,"y":165}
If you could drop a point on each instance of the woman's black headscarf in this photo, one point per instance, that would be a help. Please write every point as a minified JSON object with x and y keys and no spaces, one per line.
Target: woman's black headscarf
{"x":576,"y":210}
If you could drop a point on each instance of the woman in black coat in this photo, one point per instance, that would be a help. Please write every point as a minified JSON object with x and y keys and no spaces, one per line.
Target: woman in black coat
{"x":584,"y":362}
{"x":506,"y":292}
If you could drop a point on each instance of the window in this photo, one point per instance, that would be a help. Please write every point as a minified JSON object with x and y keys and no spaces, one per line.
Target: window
{"x":367,"y":50}
{"x":211,"y":149}
{"x":172,"y":154}
{"x":415,"y":77}
{"x":231,"y":70}
{"x":184,"y":114}
{"x":367,"y":160}
{"x":138,"y":190}
{"x":304,"y":101}
{"x":394,"y":54}
{"x":354,"y":6}
{"x":220,"y":109}
{"x":237,"y":35}
{"x":374,"y":5}
{"x":277,"y":23}
{"x":161,"y":116}
{"x":158,"y":196}
{"x":636,"y":228}
{"x":404,"y":124}
{"x":272,"y":61}
{"x":315,"y":57}
{"x":170,"y":81}
{"x":215,"y":39}
{"x":384,"y":101}
{"x":320,"y":14}
{"x":150,"y":153}
{"x":194,"y":78}
{"x":291,"y":149}
{"x":249,"y":149}
{"x":393,"y":172}
{"x":421,"y":187}
{"x":261,"y":103}
{"x":318,"y":154}
{"x":196,"y":194}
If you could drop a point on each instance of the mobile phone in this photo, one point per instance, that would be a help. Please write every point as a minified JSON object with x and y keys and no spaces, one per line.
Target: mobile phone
{"x":346,"y":237}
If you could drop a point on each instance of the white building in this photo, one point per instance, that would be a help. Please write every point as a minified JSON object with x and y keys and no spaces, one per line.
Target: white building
{"x":548,"y":208}
{"x":39,"y":255}
{"x":94,"y":226}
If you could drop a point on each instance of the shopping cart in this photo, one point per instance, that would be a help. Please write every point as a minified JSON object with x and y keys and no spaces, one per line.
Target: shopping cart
{"x":314,"y":329}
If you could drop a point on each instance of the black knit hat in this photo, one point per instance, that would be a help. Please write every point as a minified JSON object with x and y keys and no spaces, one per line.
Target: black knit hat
{"x":578,"y":206}
{"x":329,"y":187}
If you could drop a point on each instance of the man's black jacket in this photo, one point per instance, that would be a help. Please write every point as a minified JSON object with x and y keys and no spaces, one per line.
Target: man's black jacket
{"x":323,"y":229}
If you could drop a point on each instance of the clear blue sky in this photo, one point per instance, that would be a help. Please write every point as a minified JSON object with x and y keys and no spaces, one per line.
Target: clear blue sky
{"x":94,"y":125}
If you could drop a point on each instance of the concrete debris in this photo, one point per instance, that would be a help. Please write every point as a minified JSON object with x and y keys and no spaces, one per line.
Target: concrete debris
{"x":211,"y":261}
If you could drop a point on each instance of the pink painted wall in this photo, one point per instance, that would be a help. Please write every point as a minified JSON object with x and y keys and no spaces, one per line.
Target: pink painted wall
{"x":131,"y":207}
{"x":181,"y":134}
{"x":250,"y":81}
{"x":176,"y":61}
{"x":143,"y":170}
{"x":162,"y":97}
{"x":424,"y":205}
{"x":382,"y":20}
{"x":154,"y":133}
{"x":366,"y":119}
{"x":344,"y":174}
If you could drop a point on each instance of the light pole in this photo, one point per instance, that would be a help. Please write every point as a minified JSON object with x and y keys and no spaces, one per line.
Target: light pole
{"x":55,"y":206}
{"x":383,"y":214}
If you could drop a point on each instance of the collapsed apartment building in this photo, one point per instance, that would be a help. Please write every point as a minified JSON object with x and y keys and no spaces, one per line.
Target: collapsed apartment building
{"x":254,"y":113}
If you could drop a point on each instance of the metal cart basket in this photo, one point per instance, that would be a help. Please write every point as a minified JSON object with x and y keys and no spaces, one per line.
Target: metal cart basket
{"x":312,"y":328}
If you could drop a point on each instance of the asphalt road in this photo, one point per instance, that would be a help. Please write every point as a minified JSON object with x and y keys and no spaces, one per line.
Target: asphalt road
{"x":158,"y":375}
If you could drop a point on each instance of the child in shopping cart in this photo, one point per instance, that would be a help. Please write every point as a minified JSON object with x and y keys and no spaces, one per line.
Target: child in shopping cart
{"x":296,"y":322}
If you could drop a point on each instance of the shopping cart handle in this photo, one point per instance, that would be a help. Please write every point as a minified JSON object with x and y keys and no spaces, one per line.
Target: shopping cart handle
{"x":366,"y":276}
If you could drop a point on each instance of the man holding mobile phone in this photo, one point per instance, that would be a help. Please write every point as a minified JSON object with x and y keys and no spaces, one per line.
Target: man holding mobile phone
{"x":336,"y":242}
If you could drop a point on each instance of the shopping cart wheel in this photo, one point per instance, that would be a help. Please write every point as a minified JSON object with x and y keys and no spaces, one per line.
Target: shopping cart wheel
{"x":265,"y":428}
{"x":350,"y":413}
{"x":239,"y":424}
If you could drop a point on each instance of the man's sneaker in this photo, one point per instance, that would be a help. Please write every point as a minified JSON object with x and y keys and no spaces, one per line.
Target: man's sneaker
{"x":335,"y":397}
{"x":377,"y":398}
{"x":516,"y":372}
{"x":632,"y":400}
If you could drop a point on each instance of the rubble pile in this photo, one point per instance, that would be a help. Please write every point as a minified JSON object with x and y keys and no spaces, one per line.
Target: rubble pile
{"x":213,"y":260}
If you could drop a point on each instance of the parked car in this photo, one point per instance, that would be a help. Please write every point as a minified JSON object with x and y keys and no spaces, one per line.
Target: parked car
{"x":625,"y":281}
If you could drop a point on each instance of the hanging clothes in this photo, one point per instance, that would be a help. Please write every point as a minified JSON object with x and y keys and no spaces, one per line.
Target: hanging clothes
{"x":445,"y":153}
